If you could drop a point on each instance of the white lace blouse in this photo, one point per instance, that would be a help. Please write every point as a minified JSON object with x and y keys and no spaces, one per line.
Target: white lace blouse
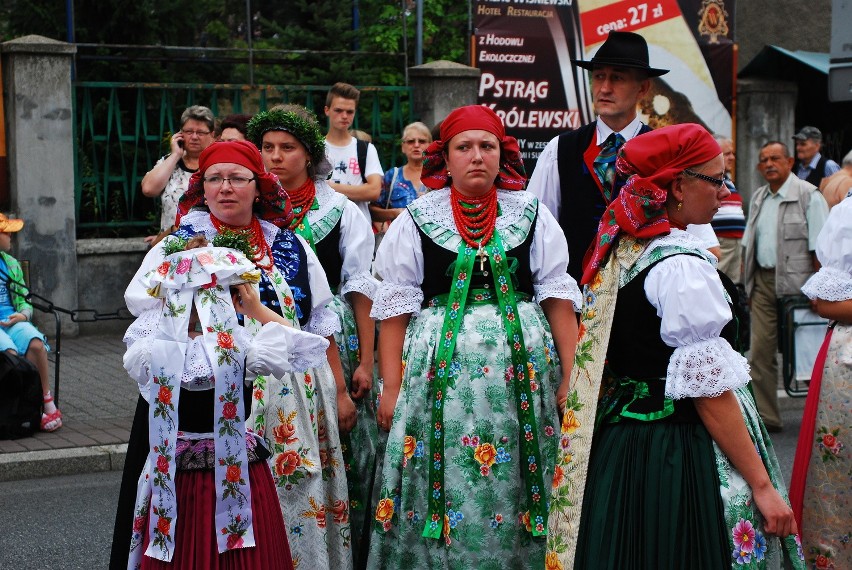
{"x":833,"y":282}
{"x":399,"y":259}
{"x":689,"y":298}
{"x":356,"y":244}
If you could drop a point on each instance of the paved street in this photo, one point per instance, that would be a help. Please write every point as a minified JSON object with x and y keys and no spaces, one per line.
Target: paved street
{"x":58,"y":523}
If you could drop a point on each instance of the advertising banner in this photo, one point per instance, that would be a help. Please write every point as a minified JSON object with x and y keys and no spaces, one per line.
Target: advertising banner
{"x":525,"y":47}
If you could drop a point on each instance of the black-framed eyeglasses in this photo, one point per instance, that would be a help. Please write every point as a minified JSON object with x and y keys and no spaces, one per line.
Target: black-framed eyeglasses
{"x":715,"y":181}
{"x":190,"y":132}
{"x":216,"y":182}
{"x":412,"y":141}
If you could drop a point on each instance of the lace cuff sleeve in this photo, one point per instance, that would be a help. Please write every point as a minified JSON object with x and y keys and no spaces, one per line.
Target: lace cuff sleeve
{"x":278,"y":349}
{"x":392,"y":300}
{"x":829,"y":284}
{"x":363,"y":283}
{"x":706,"y":368}
{"x":561,"y":287}
{"x":323,"y":322}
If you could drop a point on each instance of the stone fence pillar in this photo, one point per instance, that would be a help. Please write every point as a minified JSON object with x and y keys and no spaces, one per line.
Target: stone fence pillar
{"x":766,"y":111}
{"x":38,"y":103}
{"x":441,"y":86}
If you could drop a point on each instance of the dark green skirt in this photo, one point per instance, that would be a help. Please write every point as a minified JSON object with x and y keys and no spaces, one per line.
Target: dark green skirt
{"x":652,"y":500}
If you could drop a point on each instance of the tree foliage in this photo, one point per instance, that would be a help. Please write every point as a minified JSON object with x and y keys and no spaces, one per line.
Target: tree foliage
{"x":299,"y":42}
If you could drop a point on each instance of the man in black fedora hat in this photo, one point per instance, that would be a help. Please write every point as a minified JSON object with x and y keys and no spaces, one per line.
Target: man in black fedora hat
{"x":577,"y":167}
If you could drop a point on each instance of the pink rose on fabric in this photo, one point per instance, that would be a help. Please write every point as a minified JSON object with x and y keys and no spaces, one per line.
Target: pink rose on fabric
{"x":204,"y":258}
{"x":231,"y":257}
{"x":183,"y":266}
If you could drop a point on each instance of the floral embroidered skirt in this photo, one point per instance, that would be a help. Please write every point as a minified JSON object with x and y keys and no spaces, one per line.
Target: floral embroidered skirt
{"x":827,"y":505}
{"x":487,"y":522}
{"x":297,"y":415}
{"x":751,"y":547}
{"x":195,"y":536}
{"x":652,"y":500}
{"x":360,"y":445}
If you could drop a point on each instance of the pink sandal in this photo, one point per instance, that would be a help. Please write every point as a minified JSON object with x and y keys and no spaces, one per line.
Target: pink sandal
{"x":48,"y":419}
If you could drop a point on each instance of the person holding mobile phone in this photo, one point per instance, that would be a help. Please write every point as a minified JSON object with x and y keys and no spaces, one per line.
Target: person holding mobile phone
{"x":169,"y":178}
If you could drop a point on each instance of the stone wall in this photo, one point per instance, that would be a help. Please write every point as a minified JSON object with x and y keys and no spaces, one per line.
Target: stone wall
{"x":105,"y":267}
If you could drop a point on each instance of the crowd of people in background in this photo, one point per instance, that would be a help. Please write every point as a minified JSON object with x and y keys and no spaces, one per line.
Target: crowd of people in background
{"x":447,"y":365}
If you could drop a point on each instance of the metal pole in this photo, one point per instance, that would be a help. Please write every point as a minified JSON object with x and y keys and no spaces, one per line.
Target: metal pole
{"x":418,"y":55}
{"x":405,"y":37}
{"x":69,"y":32}
{"x":248,"y":40}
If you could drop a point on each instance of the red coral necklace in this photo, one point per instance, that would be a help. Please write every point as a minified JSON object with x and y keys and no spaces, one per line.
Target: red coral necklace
{"x":302,"y":198}
{"x":261,"y":253}
{"x":475,"y":217}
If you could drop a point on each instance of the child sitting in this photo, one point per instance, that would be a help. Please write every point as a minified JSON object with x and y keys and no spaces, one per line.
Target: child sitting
{"x":17,"y":334}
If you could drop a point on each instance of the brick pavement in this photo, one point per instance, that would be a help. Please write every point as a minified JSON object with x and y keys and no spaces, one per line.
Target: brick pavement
{"x":96,"y":396}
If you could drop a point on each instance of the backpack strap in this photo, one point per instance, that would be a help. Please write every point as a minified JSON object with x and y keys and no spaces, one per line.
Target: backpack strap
{"x":361,"y":149}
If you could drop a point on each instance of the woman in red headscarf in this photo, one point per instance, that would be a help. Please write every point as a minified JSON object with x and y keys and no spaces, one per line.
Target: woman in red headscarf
{"x":233,"y":202}
{"x":655,"y":337}
{"x":474,"y":281}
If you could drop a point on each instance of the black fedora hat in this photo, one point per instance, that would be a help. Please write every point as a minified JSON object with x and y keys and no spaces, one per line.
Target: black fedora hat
{"x":622,"y":49}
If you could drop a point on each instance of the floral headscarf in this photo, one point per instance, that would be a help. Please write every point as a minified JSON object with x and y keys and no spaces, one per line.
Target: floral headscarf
{"x":653,"y":161}
{"x":474,"y":117}
{"x":274,"y":205}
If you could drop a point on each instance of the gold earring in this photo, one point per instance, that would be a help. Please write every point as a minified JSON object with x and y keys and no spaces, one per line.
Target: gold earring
{"x":679,"y":205}
{"x":449,"y":174}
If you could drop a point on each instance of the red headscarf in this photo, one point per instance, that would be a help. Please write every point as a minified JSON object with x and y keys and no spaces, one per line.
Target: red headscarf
{"x":274,"y":205}
{"x":474,"y":117}
{"x":653,"y":161}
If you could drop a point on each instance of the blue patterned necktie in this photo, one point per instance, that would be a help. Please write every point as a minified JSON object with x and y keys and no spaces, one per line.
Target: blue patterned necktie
{"x":605,"y":163}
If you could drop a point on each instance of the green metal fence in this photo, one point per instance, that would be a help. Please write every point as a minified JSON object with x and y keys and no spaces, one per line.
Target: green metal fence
{"x":122,"y":129}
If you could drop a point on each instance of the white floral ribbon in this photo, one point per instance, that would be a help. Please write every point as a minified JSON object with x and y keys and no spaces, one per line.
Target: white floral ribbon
{"x":201,"y":277}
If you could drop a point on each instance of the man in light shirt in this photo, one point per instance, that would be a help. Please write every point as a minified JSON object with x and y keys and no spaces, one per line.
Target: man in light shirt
{"x":785,"y":218}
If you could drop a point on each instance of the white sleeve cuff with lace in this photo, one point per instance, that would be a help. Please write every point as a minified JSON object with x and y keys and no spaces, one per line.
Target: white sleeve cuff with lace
{"x":829,"y":284}
{"x":560,"y":287}
{"x":323,"y":322}
{"x":363,"y":283}
{"x":392,"y":300}
{"x":278,"y":349}
{"x":705,"y":369}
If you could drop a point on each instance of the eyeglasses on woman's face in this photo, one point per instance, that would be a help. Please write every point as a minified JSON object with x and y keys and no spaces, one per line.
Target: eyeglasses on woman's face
{"x":196,"y":132}
{"x":417,"y":141}
{"x":715,"y":181}
{"x":238,"y":182}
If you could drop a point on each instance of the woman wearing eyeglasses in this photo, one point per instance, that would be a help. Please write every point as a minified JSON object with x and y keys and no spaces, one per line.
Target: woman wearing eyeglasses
{"x":233,"y":202}
{"x":401,"y":185}
{"x":678,"y":470}
{"x":169,"y":178}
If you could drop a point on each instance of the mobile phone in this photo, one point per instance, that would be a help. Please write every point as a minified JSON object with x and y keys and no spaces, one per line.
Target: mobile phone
{"x":180,"y":143}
